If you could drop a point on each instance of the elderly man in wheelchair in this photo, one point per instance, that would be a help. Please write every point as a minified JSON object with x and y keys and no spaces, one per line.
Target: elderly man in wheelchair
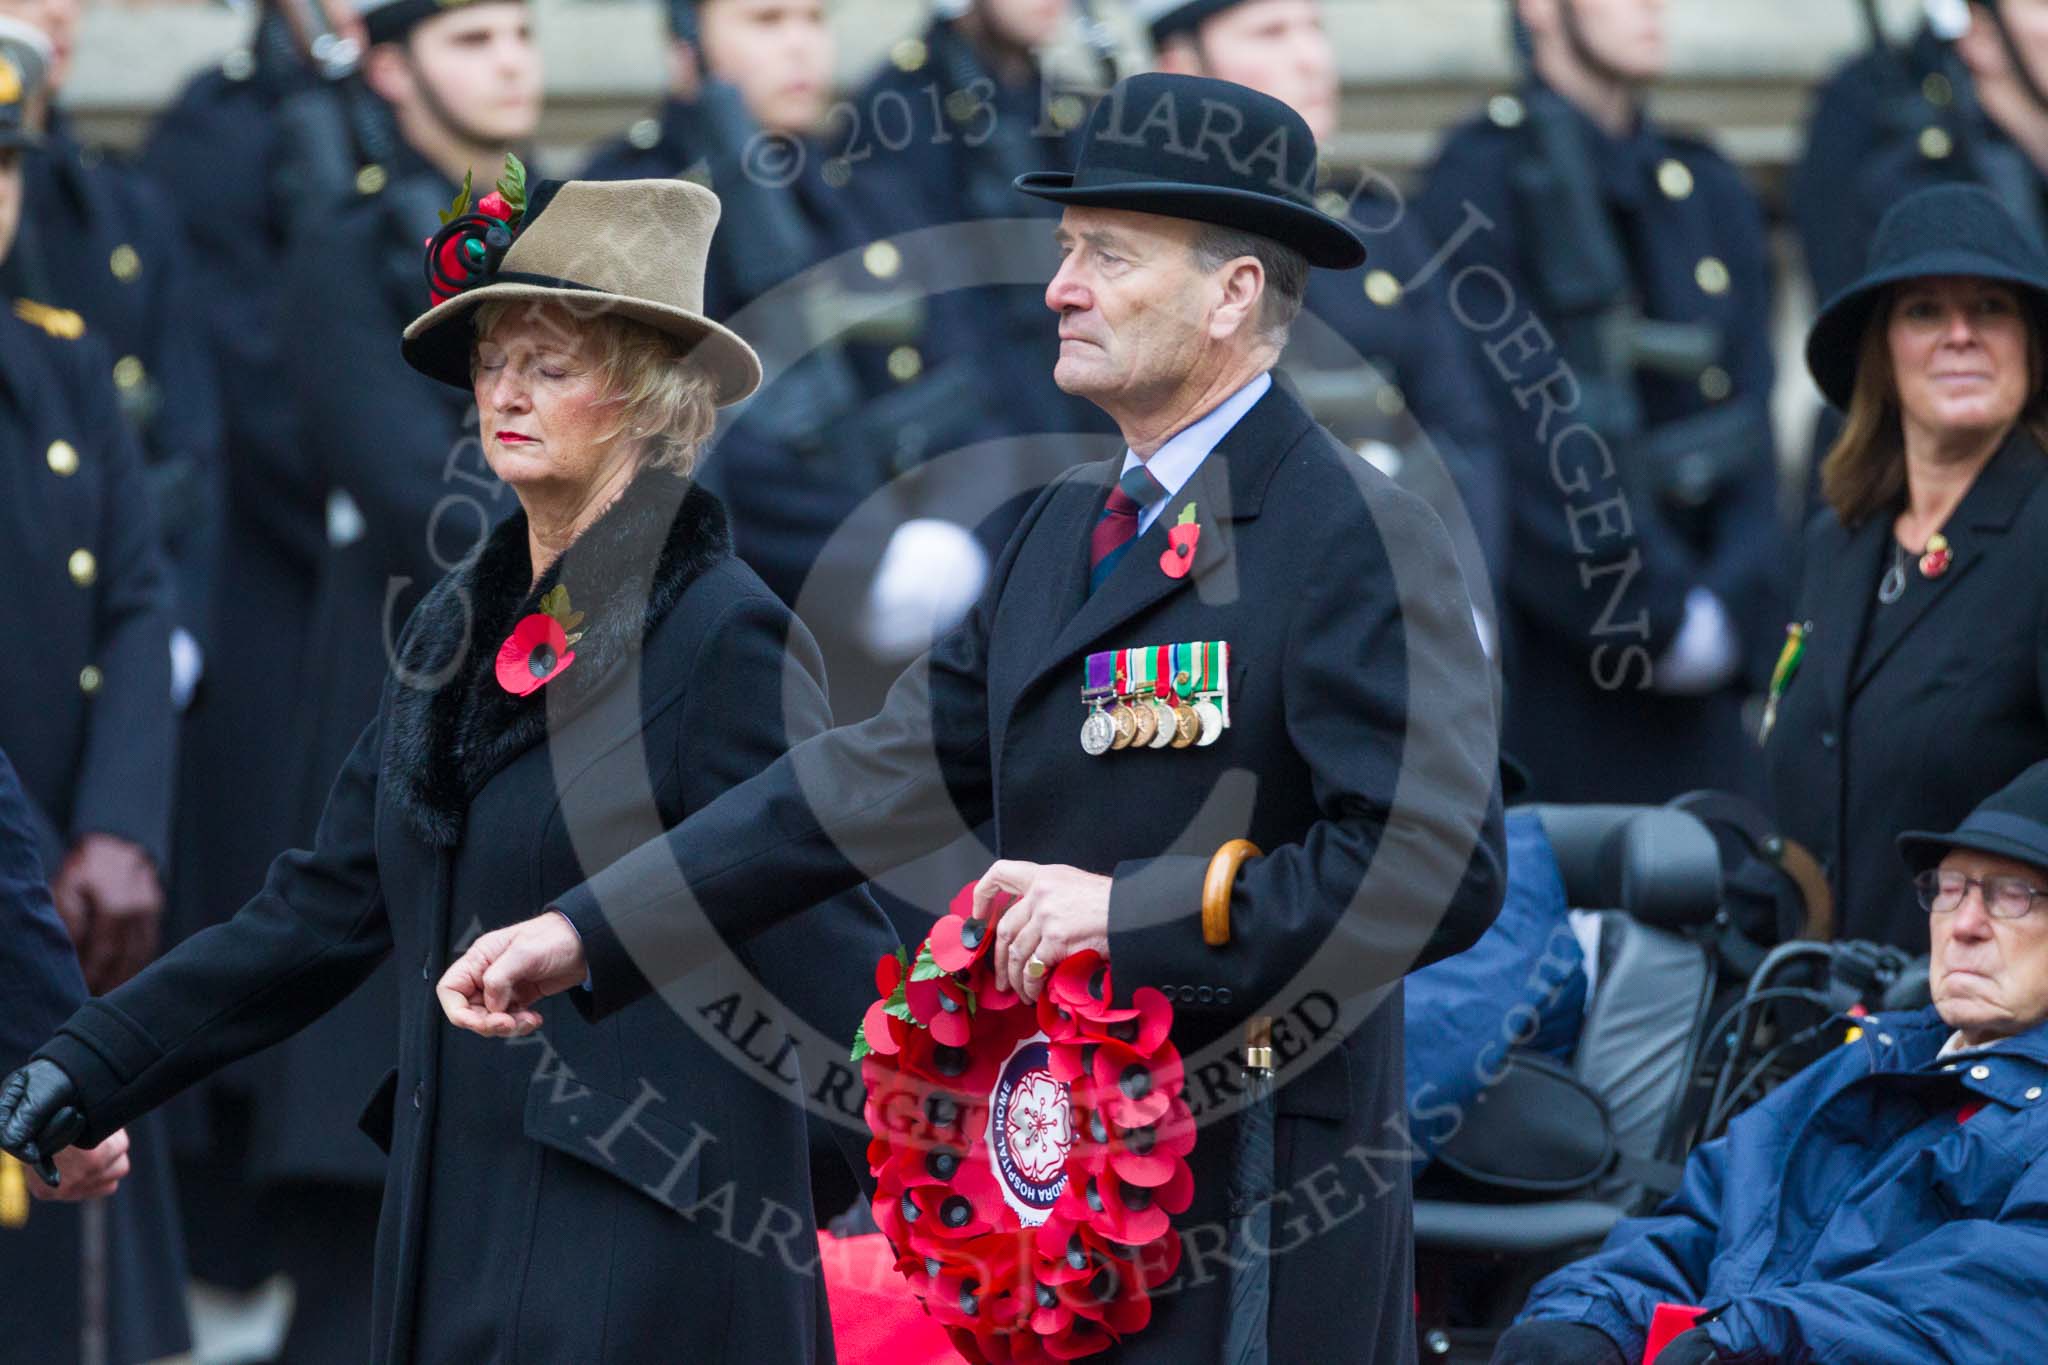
{"x":1890,"y":1202}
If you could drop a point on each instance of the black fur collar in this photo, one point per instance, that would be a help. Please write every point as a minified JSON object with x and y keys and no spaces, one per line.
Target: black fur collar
{"x":452,"y":725}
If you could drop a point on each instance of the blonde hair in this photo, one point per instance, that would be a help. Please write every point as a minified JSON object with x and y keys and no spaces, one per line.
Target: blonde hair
{"x":1864,"y":471}
{"x":667,"y":404}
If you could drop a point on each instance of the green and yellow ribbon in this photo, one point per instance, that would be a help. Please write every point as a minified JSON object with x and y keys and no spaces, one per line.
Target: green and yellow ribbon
{"x":1782,"y":674}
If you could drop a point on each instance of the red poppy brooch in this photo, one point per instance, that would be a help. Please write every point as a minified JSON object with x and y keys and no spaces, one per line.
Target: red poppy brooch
{"x":472,"y":241}
{"x":538,"y":649}
{"x":1181,"y":540}
{"x":1028,"y":1161}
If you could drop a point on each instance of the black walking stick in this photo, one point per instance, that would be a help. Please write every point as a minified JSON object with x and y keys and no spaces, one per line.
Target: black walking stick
{"x":1252,"y":1177}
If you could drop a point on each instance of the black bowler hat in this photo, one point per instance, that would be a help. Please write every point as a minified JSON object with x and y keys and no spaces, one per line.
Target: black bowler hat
{"x":1191,"y":147}
{"x":2010,"y":823}
{"x":1942,"y":230}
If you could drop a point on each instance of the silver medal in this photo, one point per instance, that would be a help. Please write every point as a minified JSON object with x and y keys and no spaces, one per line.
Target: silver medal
{"x":1211,"y":716}
{"x":1098,"y":733}
{"x":1167,"y":725}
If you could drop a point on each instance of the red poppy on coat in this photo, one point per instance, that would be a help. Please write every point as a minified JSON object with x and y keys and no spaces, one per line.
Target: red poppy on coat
{"x":1179,"y":555}
{"x":533,"y":655}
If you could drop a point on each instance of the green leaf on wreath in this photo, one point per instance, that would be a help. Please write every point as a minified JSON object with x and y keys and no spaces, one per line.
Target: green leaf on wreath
{"x":1187,"y":516}
{"x":512,"y":185}
{"x":860,"y":1042}
{"x":927,"y":968}
{"x":901,"y":1009}
{"x":461,"y":204}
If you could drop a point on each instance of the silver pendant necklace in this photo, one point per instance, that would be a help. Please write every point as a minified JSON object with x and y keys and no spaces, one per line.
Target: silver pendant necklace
{"x":1893,"y":585}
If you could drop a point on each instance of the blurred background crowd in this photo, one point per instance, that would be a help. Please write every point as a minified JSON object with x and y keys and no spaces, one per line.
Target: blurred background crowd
{"x":1608,"y":217}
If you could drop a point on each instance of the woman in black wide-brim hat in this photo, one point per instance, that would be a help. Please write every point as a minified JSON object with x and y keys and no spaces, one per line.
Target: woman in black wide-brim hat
{"x":1915,"y":674}
{"x":634,"y":1189}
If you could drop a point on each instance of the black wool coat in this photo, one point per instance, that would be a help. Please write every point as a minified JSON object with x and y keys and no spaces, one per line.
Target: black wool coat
{"x":631,"y":1190}
{"x":1360,"y":757}
{"x":1908,"y":723}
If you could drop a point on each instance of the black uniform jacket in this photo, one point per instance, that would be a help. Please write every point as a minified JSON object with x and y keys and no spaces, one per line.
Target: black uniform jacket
{"x":1601,"y":563}
{"x":88,"y":715}
{"x":1906,"y":716}
{"x":1360,"y":757}
{"x":39,"y":977}
{"x":531,"y":1211}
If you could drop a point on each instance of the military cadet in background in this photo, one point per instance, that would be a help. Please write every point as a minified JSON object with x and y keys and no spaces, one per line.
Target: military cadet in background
{"x":96,"y":238}
{"x":1613,"y":276}
{"x":829,"y":473}
{"x":937,"y":136}
{"x":1966,"y":98}
{"x":1419,"y":391}
{"x":88,"y":723}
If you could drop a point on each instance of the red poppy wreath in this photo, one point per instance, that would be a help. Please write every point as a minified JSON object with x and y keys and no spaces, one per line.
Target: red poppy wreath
{"x":1027,"y":1160}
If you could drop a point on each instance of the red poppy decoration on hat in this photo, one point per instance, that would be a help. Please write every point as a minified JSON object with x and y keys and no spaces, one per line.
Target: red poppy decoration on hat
{"x":1028,"y":1160}
{"x":472,"y":241}
{"x":537,"y":650}
{"x":1181,"y":540}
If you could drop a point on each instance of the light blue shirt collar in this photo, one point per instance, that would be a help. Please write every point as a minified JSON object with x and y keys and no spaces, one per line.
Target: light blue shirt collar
{"x":1174,"y":463}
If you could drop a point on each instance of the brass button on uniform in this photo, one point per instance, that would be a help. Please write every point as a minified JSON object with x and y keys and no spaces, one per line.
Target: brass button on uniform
{"x":882,"y":260}
{"x":909,"y":55}
{"x":1674,"y":177}
{"x":1390,"y":400}
{"x":1382,"y":288}
{"x":1936,"y":144}
{"x":128,"y":372}
{"x":371,"y":179}
{"x":1067,"y":113}
{"x":1712,"y":275}
{"x":1332,"y":203}
{"x":125,"y":264}
{"x":89,"y":680}
{"x":83,"y":568}
{"x":1937,"y":90}
{"x":905,"y":364}
{"x":1505,"y":111}
{"x":63,"y":459}
{"x":645,"y":134}
{"x":1715,"y":383}
{"x":961,"y":106}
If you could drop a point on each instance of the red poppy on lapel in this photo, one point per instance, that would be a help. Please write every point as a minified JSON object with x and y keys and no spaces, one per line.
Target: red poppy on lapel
{"x":1181,"y":540}
{"x":533,"y":655}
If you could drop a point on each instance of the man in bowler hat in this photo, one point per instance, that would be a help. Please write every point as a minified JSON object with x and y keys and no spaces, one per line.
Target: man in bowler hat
{"x":1359,"y":751}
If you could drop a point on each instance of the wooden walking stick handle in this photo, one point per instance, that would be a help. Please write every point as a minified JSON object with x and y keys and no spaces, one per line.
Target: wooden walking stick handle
{"x":1216,"y":887}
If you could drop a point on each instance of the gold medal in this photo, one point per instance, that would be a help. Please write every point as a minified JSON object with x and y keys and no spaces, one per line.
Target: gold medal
{"x":1126,"y":722}
{"x":1147,"y":722}
{"x":1186,"y":726}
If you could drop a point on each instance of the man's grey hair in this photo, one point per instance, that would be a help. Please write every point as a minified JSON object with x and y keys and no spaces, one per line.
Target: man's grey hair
{"x":1286,"y":274}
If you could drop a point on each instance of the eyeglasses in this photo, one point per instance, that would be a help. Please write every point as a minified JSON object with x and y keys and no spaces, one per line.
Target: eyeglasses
{"x":2005,"y":897}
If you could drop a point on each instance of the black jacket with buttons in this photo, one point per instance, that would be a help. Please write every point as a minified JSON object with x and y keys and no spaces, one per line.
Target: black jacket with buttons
{"x":1902,"y":723}
{"x":86,"y":612}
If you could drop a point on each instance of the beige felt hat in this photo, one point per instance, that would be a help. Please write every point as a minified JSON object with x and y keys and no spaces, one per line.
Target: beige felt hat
{"x":625,"y":248}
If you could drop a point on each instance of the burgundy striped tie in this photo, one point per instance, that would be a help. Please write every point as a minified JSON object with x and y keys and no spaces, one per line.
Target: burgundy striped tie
{"x":1117,"y":527}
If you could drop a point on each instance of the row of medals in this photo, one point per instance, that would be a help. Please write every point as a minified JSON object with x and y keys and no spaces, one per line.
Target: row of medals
{"x":1150,"y":723}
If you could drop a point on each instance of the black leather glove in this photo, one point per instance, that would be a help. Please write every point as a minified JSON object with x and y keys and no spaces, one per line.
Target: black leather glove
{"x":1694,"y":1348}
{"x":1541,"y":1342}
{"x":39,"y":1116}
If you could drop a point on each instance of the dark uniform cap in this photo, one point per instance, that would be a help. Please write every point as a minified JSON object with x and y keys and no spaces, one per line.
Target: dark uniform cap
{"x":1192,"y":147}
{"x":24,"y":60}
{"x":389,"y":21}
{"x":1165,"y":18}
{"x":2010,"y":823}
{"x":1942,"y":230}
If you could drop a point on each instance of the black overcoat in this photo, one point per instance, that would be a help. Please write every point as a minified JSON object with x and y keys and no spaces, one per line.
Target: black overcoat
{"x":1891,"y":725}
{"x":532,"y":1208}
{"x":1360,"y":758}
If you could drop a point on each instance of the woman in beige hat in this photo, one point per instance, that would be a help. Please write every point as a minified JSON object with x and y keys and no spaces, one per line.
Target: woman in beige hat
{"x":602,"y":668}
